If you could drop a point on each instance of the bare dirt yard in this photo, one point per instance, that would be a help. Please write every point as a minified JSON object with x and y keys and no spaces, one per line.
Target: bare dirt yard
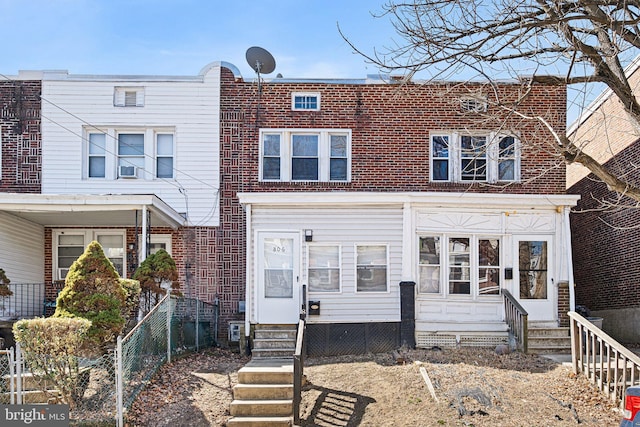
{"x":470,"y":387}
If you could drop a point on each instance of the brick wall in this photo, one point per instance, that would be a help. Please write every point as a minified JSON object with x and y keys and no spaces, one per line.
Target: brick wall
{"x":605,"y":242}
{"x":20,"y":136}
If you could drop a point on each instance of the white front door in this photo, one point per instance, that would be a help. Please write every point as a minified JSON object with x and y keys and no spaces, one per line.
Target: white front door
{"x":278,"y":277}
{"x":534,"y":277}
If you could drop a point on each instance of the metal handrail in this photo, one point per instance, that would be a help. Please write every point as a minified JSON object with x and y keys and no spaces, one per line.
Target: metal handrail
{"x":517,"y":319}
{"x":298,"y":372}
{"x":605,"y":362}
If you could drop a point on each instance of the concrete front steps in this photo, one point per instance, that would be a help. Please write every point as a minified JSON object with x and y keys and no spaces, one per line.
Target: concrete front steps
{"x":264,"y":393}
{"x":546,"y":338}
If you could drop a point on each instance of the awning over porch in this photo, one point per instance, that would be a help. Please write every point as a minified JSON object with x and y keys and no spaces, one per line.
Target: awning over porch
{"x":88,"y":210}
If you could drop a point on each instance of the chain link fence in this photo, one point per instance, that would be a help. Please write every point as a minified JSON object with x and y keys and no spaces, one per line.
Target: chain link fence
{"x":105,"y":387}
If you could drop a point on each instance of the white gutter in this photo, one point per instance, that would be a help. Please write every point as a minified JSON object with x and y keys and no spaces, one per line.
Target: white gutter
{"x":248,"y":306}
{"x":433,"y":199}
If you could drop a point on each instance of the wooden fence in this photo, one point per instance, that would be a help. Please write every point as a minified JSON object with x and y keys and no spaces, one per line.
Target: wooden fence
{"x":609,"y":365}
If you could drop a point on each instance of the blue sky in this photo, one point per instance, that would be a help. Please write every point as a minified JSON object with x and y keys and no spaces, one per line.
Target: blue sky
{"x":163,"y":37}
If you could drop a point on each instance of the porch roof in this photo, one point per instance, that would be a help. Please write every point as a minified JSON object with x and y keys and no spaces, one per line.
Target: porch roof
{"x":89,"y":210}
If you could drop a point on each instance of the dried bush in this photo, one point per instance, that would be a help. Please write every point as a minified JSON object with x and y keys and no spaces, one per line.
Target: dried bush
{"x":51,"y":347}
{"x":4,"y":285}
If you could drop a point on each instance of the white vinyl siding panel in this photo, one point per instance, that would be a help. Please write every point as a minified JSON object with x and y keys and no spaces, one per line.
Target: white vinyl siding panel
{"x":21,"y":251}
{"x":188,"y":108}
{"x":347,"y":228}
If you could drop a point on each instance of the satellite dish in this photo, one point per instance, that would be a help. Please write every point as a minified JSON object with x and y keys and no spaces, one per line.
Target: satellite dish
{"x":260,"y":60}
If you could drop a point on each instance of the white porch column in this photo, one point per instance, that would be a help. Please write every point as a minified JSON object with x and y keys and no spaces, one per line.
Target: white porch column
{"x":143,"y":246}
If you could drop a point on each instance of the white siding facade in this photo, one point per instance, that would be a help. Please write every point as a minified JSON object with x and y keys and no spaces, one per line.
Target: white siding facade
{"x":399,"y":220}
{"x":21,"y":251}
{"x":379,"y":225}
{"x":187,"y":107}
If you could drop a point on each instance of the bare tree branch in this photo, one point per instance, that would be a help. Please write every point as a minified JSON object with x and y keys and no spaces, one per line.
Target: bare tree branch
{"x":570,"y":42}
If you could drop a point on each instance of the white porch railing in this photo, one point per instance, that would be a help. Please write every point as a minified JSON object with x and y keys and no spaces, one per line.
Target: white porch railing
{"x":606,"y":363}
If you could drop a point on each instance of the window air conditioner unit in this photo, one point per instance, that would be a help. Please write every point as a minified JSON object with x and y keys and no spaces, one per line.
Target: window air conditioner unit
{"x":128,"y":172}
{"x":62,"y":273}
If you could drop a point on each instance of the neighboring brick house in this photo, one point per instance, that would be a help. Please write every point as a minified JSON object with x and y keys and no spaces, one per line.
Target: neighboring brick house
{"x":20,"y":172}
{"x":355,"y":190}
{"x":605,"y":240}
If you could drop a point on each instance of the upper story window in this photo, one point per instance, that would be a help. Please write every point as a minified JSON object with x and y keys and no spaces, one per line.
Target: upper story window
{"x":305,"y":155}
{"x":135,"y":153}
{"x":128,"y":97}
{"x":473,"y":105}
{"x":305,"y":101}
{"x":488,"y":157}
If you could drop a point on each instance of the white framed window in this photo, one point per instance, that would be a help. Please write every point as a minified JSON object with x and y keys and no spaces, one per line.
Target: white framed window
{"x":324,"y":270}
{"x":470,"y":104}
{"x":128,"y":96}
{"x":130,"y":154}
{"x":372,"y":267}
{"x":468,"y":265}
{"x":126,"y":153}
{"x":429,"y":265}
{"x":474,"y":157}
{"x":164,"y":155}
{"x":322,"y":155}
{"x":305,"y":101}
{"x":533,"y":268}
{"x":70,"y":244}
{"x":97,"y":155}
{"x":156,"y":242}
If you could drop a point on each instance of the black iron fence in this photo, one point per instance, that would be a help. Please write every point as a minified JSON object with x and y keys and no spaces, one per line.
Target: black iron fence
{"x":28,"y":300}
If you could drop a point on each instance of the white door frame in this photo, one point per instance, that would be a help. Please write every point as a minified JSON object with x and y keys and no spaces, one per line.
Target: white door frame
{"x":538,"y":309}
{"x":278,"y":292}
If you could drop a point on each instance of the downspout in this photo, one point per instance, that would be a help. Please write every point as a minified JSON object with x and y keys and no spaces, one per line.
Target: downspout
{"x":248,"y":294}
{"x":567,"y":236}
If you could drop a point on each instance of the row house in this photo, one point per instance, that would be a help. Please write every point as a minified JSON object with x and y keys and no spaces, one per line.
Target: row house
{"x":129,"y":161}
{"x":389,"y":213}
{"x":387,"y":208}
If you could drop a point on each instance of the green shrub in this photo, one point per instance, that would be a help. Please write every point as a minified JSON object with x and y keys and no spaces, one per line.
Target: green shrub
{"x":51,"y":347}
{"x":152,"y":272}
{"x":93,"y":291}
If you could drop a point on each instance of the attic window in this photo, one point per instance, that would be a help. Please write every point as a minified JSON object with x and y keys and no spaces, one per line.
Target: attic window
{"x":305,"y":101}
{"x":473,"y":105}
{"x":128,"y":97}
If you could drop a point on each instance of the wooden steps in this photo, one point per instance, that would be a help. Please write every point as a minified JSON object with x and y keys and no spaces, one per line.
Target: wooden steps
{"x":545,"y":339}
{"x":274,"y":341}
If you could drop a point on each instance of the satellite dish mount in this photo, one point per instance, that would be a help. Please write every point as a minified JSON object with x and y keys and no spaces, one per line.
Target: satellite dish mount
{"x":261,"y":61}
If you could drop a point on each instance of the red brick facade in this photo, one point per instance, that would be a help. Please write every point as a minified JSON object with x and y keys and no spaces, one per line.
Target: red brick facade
{"x":21,"y":136}
{"x":605,"y":242}
{"x":390,"y":127}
